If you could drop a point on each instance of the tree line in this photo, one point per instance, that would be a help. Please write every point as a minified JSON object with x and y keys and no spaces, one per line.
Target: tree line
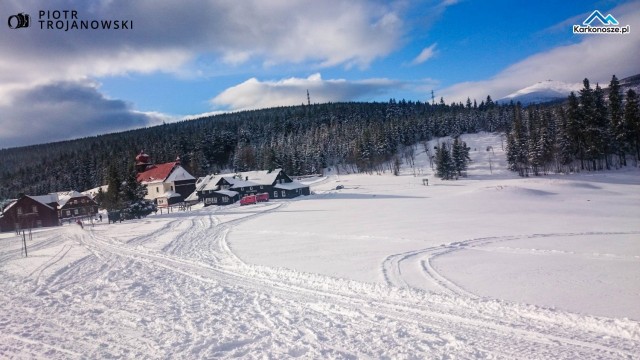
{"x":356,"y":137}
{"x":591,"y":131}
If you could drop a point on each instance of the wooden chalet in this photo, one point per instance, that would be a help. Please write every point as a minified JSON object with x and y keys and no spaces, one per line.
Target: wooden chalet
{"x":217,"y":189}
{"x":29,"y":212}
{"x":73,"y":204}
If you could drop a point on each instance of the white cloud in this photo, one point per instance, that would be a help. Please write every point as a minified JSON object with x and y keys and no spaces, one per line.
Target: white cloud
{"x":172,"y":37}
{"x":596,"y":57}
{"x":65,"y":110}
{"x":426,"y":54}
{"x":255,"y":94}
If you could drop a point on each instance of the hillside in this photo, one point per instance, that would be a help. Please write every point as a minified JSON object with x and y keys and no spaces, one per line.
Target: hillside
{"x":488,"y":266}
{"x":300,"y":139}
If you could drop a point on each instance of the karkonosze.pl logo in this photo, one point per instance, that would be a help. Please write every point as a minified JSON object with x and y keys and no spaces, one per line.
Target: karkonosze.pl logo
{"x":17,"y":21}
{"x":609,"y":25}
{"x":66,"y":20}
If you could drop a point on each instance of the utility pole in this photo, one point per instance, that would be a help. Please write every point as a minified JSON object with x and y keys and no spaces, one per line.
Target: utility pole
{"x":308,"y":98}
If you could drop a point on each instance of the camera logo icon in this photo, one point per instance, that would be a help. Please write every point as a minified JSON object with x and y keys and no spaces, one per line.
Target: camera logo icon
{"x":17,"y":21}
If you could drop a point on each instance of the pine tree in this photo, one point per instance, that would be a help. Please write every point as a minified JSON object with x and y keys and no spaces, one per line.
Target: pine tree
{"x":132,"y":197}
{"x":512,"y":152}
{"x":632,"y":122}
{"x":460,"y":156}
{"x":619,"y":143}
{"x":444,"y":164}
{"x":575,"y":126}
{"x":564,"y":149}
{"x":112,"y":197}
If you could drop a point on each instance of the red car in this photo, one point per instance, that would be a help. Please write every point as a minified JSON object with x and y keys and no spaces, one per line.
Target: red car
{"x":262,"y":197}
{"x":248,"y":200}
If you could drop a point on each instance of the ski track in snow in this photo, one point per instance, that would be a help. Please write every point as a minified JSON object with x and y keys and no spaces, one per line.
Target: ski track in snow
{"x":393,"y":265}
{"x":195,"y":298}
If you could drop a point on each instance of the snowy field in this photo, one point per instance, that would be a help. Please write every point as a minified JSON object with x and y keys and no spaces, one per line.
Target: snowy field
{"x":489,"y":266}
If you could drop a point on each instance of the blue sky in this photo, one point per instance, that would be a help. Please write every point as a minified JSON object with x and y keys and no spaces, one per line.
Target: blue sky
{"x":184,"y":59}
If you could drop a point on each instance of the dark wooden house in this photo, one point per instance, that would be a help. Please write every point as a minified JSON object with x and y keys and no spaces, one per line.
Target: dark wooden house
{"x":276,"y":183}
{"x":221,"y":197}
{"x":73,"y":204}
{"x":28,"y":212}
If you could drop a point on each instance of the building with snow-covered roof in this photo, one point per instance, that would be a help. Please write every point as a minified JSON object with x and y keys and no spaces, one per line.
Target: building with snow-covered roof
{"x":72,"y":204}
{"x":276,"y":183}
{"x":162,"y":179}
{"x":29,"y":212}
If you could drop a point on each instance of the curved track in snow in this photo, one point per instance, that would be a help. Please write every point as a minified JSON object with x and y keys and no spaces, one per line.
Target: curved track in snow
{"x":395,"y":266}
{"x":181,"y":292}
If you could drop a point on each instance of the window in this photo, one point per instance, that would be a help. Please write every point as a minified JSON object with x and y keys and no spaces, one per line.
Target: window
{"x":39,"y":223}
{"x":215,"y":200}
{"x":171,"y":187}
{"x":284,"y":193}
{"x":75,"y":211}
{"x":19,"y":210}
{"x":261,"y":187}
{"x":157,"y":189}
{"x":225,"y":199}
{"x":34,"y":209}
{"x":250,"y":187}
{"x":275,"y":194}
{"x":68,"y":212}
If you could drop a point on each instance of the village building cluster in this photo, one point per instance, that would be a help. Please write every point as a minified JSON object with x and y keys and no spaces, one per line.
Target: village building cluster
{"x":168,"y":185}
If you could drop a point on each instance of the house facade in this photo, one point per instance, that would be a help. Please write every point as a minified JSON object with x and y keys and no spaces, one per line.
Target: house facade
{"x":73,"y":204}
{"x":166,"y":181}
{"x":28,"y":212}
{"x":212,"y":189}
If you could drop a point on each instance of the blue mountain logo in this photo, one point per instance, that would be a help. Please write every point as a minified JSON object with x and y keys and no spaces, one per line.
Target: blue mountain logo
{"x":609,"y":20}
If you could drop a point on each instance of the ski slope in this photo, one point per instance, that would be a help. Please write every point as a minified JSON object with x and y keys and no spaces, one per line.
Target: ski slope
{"x":490,"y":266}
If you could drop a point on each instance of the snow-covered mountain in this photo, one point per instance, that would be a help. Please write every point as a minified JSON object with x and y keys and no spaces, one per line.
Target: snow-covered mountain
{"x":551,"y":90}
{"x":631,"y":82}
{"x":541,"y":92}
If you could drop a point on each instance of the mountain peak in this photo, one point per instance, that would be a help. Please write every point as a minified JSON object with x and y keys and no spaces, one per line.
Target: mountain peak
{"x":541,"y":92}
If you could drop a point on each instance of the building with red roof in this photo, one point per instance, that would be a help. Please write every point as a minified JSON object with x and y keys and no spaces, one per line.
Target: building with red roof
{"x":166,"y":183}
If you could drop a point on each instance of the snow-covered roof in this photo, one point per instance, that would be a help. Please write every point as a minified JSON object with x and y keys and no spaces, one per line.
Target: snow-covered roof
{"x":46,"y":199}
{"x":291,"y":186}
{"x":170,"y":194}
{"x":179,"y":174}
{"x":229,"y":193}
{"x":65,"y":196}
{"x":237,"y":183}
{"x":262,"y":177}
{"x":238,"y":180}
{"x":192,"y":197}
{"x":155,"y":173}
{"x":92,"y":193}
{"x":9,"y":206}
{"x":202,"y":182}
{"x":211,"y":183}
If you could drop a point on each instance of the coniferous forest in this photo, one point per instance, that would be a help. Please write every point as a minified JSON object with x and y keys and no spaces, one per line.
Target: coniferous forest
{"x":361,"y":137}
{"x":589,"y":131}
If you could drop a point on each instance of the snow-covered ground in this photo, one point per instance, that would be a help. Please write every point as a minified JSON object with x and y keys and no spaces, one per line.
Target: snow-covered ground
{"x":489,"y":266}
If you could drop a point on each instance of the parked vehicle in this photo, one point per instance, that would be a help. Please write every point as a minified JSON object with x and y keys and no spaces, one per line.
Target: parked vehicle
{"x":262,"y":197}
{"x":248,"y":200}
